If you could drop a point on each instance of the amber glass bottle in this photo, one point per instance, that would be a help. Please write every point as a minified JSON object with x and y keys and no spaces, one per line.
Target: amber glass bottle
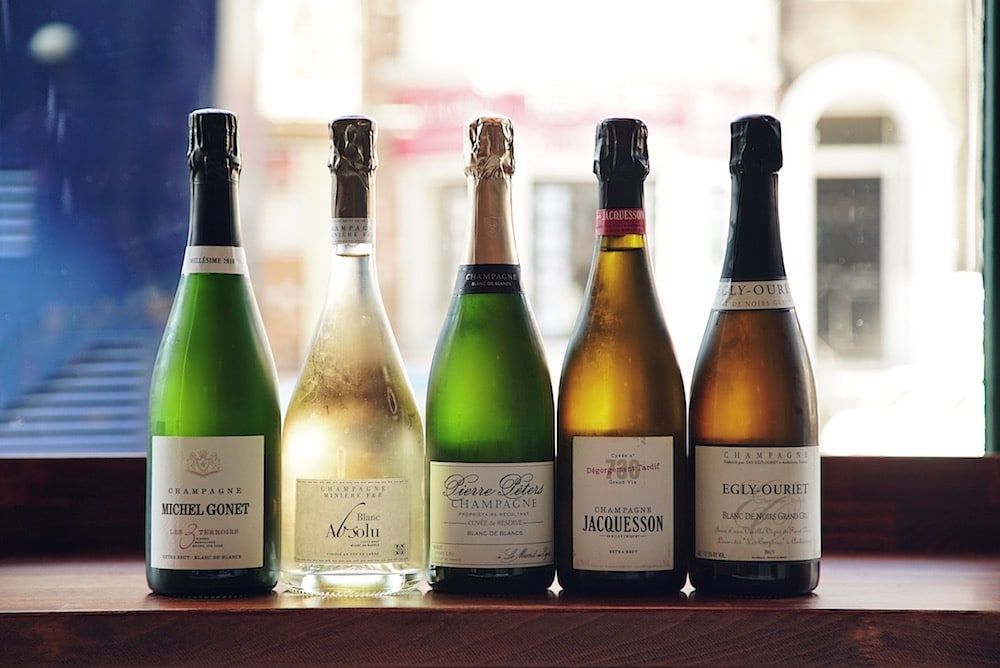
{"x":621,"y":465}
{"x":754,"y":425}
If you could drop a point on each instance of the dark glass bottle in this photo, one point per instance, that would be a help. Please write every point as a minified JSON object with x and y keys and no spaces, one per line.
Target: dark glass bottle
{"x":754,"y":424}
{"x":214,"y":418}
{"x":622,"y":433}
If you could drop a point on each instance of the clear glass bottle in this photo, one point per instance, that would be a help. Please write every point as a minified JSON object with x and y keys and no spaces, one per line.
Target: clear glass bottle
{"x":353,"y":452}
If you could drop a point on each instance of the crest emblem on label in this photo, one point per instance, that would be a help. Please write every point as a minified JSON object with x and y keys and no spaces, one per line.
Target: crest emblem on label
{"x":203,"y":463}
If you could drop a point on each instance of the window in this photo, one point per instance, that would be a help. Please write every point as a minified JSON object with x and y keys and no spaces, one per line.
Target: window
{"x":879,"y":103}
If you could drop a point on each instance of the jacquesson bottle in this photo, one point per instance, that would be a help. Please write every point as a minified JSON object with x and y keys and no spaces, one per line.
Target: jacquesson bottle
{"x":214,"y":419}
{"x":353,"y":451}
{"x":490,"y":432}
{"x":621,"y":467}
{"x":754,"y":425}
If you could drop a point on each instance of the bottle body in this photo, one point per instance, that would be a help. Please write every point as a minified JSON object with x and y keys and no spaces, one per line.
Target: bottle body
{"x":352,"y":454}
{"x":622,"y":434}
{"x":754,"y":421}
{"x":353,"y":511}
{"x":490,"y":425}
{"x":753,"y":425}
{"x":622,"y":437}
{"x":490,"y":415}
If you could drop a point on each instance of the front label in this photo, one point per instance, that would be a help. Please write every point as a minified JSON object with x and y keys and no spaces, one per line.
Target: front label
{"x":214,"y":260}
{"x":619,"y":222}
{"x":206,"y":502}
{"x":623,"y":503}
{"x":488,"y":278}
{"x":757,"y":503}
{"x":753,"y":295}
{"x":352,"y":230}
{"x":352,"y":521}
{"x":491,"y":515}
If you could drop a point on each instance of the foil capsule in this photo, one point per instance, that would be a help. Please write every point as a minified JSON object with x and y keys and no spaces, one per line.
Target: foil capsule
{"x":620,"y":149}
{"x":756,"y":144}
{"x":213,"y":144}
{"x":352,"y":145}
{"x":489,"y":147}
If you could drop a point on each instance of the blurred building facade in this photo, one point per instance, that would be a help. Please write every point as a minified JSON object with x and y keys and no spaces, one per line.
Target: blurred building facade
{"x":879,"y":105}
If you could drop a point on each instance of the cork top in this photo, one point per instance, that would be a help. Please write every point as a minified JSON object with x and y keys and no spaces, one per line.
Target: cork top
{"x":352,"y":145}
{"x":756,"y":145}
{"x":213,"y":147}
{"x":620,"y":150}
{"x":489,"y":147}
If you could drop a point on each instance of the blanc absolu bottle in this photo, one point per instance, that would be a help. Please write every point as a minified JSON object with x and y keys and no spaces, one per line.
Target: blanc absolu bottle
{"x":622,"y":464}
{"x":214,"y":418}
{"x":490,"y":431}
{"x":353,"y":450}
{"x":754,"y":425}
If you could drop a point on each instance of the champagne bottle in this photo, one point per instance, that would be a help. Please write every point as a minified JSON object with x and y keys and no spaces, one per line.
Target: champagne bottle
{"x":353,"y":450}
{"x":214,"y":418}
{"x":621,"y":464}
{"x":754,"y":424}
{"x":490,"y":432}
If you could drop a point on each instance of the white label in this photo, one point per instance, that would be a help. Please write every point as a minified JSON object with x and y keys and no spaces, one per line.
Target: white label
{"x":757,"y":503}
{"x":352,"y":230}
{"x":623,"y":503}
{"x":753,"y":295}
{"x":207,"y":502}
{"x":352,"y":521}
{"x":215,"y":260}
{"x":491,"y":515}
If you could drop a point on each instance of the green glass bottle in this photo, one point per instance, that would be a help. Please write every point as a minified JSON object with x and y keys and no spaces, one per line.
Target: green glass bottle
{"x":214,"y":418}
{"x":490,"y":417}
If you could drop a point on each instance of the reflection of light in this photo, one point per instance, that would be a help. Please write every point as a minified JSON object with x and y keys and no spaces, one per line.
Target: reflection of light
{"x":54,"y":43}
{"x":307,"y":439}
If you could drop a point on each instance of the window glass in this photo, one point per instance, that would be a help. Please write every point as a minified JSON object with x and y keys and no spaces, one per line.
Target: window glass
{"x":880,"y":108}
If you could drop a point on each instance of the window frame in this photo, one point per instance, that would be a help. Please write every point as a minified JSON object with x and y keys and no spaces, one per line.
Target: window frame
{"x":871,"y":504}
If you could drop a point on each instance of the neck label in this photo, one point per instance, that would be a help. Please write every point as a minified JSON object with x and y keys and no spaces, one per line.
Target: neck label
{"x":478,"y":279}
{"x":619,"y":222}
{"x":753,"y":295}
{"x":215,"y":260}
{"x":352,"y":230}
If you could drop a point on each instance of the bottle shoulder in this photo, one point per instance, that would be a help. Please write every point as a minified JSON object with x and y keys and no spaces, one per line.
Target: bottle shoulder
{"x":753,"y":381}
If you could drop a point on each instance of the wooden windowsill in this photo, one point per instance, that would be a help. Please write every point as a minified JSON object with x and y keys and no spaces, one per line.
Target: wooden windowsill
{"x":912,"y":610}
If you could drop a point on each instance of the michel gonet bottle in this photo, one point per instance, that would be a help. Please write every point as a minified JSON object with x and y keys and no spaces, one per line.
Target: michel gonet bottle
{"x":621,"y":467}
{"x":352,"y":455}
{"x":754,"y":424}
{"x":490,"y":431}
{"x":214,"y":418}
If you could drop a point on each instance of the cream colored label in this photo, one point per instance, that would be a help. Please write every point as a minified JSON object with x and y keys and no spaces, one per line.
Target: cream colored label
{"x":214,"y":260}
{"x":352,"y":521}
{"x":352,"y":230}
{"x":206,"y":502}
{"x":623,"y":503}
{"x":491,"y":515}
{"x":757,"y":503}
{"x":753,"y":295}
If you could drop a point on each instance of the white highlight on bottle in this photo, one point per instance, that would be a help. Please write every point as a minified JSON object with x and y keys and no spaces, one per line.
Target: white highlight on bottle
{"x":215,"y":260}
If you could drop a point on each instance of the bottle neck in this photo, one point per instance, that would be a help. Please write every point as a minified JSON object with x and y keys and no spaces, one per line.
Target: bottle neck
{"x":353,"y":214}
{"x":620,"y":211}
{"x":215,"y":213}
{"x":491,"y":227}
{"x":754,"y":248}
{"x":620,"y":194}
